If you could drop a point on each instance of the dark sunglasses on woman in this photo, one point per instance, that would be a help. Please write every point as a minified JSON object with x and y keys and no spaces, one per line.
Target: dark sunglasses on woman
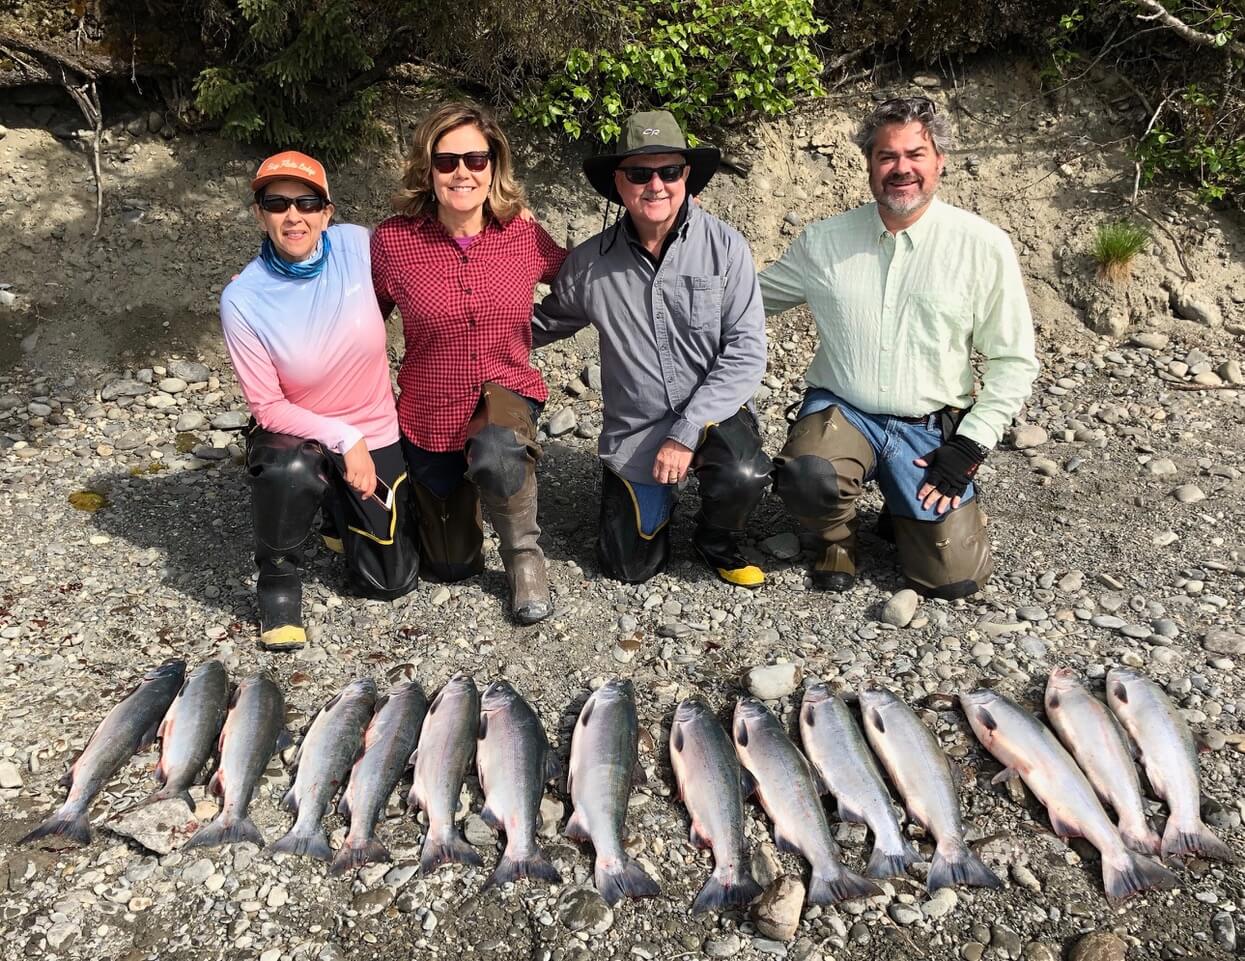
{"x":306,"y":204}
{"x":475,"y":161}
{"x":642,"y":175}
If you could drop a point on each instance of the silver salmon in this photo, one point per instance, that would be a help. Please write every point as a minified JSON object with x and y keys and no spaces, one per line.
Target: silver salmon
{"x":711,"y":785}
{"x":1091,"y":733}
{"x":841,"y":757}
{"x":254,"y":730}
{"x":1162,"y":736}
{"x":604,"y":764}
{"x":130,"y":725}
{"x":190,"y":731}
{"x":388,"y":744}
{"x":1025,"y":747}
{"x":446,"y":744}
{"x":328,"y":751}
{"x":785,"y":787}
{"x":514,"y":762}
{"x":919,"y":770}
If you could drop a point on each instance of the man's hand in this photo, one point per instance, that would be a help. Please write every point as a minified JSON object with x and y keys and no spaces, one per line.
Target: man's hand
{"x":360,"y":470}
{"x":672,"y":462}
{"x":950,"y":469}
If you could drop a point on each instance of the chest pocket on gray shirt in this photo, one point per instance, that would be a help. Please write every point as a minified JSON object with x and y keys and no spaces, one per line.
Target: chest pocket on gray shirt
{"x":696,"y":302}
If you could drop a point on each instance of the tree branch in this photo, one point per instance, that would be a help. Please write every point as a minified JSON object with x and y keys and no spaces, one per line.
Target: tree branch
{"x":1161,"y":14}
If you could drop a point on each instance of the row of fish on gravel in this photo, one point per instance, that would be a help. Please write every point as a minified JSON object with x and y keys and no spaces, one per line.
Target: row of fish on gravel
{"x":359,"y":747}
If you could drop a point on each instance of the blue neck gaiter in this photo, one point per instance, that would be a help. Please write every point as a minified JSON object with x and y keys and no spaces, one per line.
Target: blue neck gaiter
{"x":303,"y":270}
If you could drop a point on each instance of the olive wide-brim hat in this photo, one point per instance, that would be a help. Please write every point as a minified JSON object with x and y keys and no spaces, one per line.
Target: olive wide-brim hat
{"x":651,"y":132}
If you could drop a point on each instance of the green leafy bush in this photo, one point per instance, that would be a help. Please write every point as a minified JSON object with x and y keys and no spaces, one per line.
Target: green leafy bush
{"x":706,"y":61}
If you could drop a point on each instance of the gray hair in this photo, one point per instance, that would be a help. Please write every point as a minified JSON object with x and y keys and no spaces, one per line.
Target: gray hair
{"x":905,"y":110}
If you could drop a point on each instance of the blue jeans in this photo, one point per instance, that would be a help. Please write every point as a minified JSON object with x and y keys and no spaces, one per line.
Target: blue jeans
{"x":896,"y":444}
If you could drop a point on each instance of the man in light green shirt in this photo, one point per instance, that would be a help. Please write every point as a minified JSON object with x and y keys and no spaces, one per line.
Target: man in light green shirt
{"x":903,"y":292}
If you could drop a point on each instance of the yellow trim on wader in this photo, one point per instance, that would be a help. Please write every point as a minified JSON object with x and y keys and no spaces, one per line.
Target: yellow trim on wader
{"x":393,"y":518}
{"x":288,"y":637}
{"x":749,"y":576}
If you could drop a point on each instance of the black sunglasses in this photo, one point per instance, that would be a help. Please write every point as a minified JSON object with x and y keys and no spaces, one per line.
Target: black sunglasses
{"x":668,"y":173}
{"x":474,"y":160}
{"x":917,"y":105}
{"x":306,"y":204}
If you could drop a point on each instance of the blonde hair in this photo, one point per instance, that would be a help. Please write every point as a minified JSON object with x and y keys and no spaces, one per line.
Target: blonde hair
{"x":416,"y":197}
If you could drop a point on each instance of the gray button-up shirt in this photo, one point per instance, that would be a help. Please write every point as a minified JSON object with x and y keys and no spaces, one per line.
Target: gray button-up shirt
{"x":682,"y":339}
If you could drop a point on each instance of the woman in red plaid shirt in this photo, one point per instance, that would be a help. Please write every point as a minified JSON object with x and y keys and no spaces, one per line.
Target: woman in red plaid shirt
{"x":462,"y":265}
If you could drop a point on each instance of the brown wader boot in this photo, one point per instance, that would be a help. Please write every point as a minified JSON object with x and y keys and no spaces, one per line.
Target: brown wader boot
{"x":819,"y":474}
{"x":501,"y":456}
{"x":949,"y":558}
{"x":451,"y":533}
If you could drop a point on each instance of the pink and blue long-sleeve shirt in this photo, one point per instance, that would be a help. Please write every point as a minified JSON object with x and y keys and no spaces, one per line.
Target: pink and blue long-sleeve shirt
{"x":310,"y":354}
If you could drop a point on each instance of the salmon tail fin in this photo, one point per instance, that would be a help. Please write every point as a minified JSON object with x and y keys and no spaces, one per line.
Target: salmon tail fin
{"x":537,"y":867}
{"x":1181,"y":840}
{"x":163,"y":795}
{"x":448,"y":849}
{"x":624,"y":879}
{"x":891,"y":864}
{"x":226,"y":831}
{"x":1140,"y":837}
{"x":1138,"y":874}
{"x":355,"y":854}
{"x":312,"y":845}
{"x":844,"y":886}
{"x":723,"y":891}
{"x":66,"y":823}
{"x":956,"y":864}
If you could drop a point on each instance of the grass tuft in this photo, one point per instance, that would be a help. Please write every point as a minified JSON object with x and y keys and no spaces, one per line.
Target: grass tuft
{"x":1115,"y":246}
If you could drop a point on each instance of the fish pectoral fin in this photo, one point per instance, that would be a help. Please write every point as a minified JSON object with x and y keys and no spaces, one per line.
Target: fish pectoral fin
{"x":576,"y":829}
{"x":698,"y":838}
{"x":1007,"y":774}
{"x":783,"y":844}
{"x":1062,"y":828}
{"x":490,"y":818}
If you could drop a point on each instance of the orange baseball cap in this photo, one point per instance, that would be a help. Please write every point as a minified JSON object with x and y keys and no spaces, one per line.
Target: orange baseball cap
{"x":292,"y":165}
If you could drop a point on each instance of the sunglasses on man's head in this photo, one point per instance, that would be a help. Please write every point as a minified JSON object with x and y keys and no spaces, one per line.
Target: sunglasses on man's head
{"x":668,"y":173}
{"x":475,"y":161}
{"x":917,"y":105}
{"x":306,"y":204}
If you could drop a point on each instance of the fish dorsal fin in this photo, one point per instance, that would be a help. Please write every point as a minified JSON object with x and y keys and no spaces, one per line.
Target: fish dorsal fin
{"x":986,"y":719}
{"x":809,"y":716}
{"x":741,"y":733}
{"x":676,"y":739}
{"x":747,"y":783}
{"x":586,"y":713}
{"x":553,"y":766}
{"x":875,"y":719}
{"x":482,"y":733}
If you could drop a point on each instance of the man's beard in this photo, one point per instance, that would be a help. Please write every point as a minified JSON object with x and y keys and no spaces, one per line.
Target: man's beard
{"x":904,"y":205}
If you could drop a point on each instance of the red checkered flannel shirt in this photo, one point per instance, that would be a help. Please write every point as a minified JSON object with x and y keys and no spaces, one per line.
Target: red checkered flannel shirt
{"x":466,"y":316}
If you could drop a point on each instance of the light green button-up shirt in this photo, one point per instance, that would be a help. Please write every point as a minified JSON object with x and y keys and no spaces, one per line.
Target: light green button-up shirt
{"x":898,"y":316}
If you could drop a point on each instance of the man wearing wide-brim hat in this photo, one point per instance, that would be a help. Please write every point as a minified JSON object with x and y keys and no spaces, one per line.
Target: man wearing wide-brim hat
{"x":673,"y":295}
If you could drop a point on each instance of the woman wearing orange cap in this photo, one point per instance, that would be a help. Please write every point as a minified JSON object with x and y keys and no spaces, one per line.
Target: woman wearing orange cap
{"x":307,"y":341}
{"x":461,"y":263}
